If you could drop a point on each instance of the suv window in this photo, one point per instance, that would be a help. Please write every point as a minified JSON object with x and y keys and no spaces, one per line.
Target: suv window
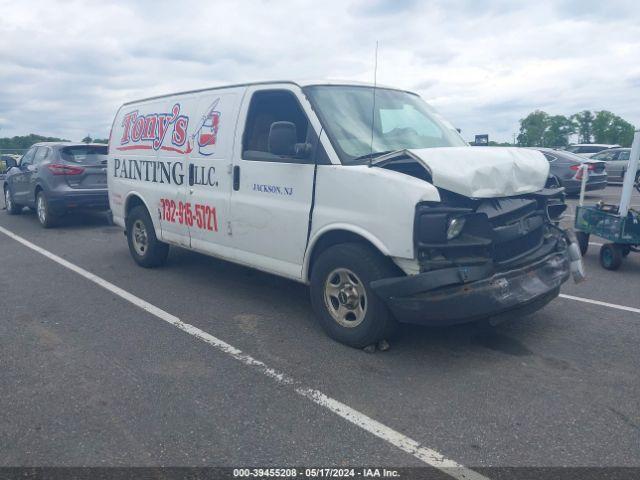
{"x":624,"y":155}
{"x":266,"y":108}
{"x":27,"y":158}
{"x":85,"y":154}
{"x":41,"y":154}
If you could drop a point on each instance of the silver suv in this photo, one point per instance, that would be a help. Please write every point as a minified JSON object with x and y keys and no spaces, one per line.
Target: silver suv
{"x":57,"y":178}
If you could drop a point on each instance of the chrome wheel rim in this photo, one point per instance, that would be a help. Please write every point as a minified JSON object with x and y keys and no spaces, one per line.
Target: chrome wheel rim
{"x":7,"y":199}
{"x":140,"y":238}
{"x":345,"y":297}
{"x":42,"y":210}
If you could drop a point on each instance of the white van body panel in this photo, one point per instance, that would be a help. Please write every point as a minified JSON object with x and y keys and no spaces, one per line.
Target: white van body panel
{"x":249,"y":173}
{"x":265,"y":223}
{"x":375,"y":203}
{"x":134,"y":167}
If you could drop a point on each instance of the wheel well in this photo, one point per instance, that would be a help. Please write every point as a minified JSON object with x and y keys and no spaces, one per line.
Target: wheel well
{"x":132,"y":202}
{"x":336,"y":237}
{"x":37,"y":191}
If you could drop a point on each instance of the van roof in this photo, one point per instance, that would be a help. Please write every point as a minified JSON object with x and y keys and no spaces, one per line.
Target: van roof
{"x":298,"y":83}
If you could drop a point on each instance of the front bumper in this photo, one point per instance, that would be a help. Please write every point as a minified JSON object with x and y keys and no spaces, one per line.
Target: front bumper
{"x":463,"y":294}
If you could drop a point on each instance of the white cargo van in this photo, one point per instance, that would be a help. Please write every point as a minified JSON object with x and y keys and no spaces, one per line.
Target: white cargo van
{"x":395,"y":219}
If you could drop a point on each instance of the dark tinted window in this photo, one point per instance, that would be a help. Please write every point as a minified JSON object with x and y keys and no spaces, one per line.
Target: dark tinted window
{"x":88,"y":155}
{"x":571,"y":157}
{"x":266,"y":108}
{"x":590,"y":149}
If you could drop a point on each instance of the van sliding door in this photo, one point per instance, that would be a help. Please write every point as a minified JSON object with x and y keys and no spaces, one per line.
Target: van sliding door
{"x":208,"y":184}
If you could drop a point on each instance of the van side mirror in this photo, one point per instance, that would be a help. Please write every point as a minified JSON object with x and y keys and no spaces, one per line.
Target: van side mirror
{"x":282,"y":138}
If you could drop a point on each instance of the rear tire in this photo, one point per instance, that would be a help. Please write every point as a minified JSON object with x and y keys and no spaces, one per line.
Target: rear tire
{"x":144,"y":246}
{"x":45,"y":217}
{"x":12,"y":207}
{"x":346,"y":307}
{"x":583,"y":242}
{"x":611,"y":256}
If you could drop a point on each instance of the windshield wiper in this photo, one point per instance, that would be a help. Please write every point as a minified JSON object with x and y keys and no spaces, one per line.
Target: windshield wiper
{"x":370,"y":155}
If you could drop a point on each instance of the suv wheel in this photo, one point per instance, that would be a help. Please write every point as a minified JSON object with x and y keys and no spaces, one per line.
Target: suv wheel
{"x":12,"y":207}
{"x":45,"y":217}
{"x":346,"y":307}
{"x":144,"y":246}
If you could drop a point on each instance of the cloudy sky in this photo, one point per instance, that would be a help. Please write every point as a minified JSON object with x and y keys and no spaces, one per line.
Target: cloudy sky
{"x":66,"y":66}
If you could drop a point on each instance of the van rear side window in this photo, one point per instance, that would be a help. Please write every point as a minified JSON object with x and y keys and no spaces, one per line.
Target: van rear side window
{"x":266,"y":108}
{"x":86,"y":155}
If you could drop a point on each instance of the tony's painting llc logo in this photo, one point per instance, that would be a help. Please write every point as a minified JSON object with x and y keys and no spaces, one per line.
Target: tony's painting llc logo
{"x":207,"y":134}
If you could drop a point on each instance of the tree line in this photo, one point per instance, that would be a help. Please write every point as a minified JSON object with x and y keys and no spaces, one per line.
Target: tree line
{"x":539,"y":129}
{"x":21,"y":143}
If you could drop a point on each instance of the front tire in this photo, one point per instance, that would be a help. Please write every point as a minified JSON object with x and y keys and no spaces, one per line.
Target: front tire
{"x":43,"y":210}
{"x":12,"y":207}
{"x":345,"y":305}
{"x":144,"y":246}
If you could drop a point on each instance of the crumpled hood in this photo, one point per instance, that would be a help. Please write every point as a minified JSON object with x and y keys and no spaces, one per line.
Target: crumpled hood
{"x":482,"y":172}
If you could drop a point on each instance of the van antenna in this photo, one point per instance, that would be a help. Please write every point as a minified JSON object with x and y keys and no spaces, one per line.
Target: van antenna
{"x":373,"y":107}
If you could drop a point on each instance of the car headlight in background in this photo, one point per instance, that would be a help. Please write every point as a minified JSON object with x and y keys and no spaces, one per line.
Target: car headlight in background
{"x":455,"y":226}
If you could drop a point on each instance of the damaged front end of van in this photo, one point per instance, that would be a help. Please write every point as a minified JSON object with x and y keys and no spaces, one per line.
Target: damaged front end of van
{"x":491,"y":247}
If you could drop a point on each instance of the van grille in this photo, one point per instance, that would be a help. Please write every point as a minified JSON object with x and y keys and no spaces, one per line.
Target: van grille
{"x":513,"y":215}
{"x":510,"y":249}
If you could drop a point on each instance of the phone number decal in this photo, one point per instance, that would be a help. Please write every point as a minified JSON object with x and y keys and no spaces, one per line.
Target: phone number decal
{"x":184,"y":213}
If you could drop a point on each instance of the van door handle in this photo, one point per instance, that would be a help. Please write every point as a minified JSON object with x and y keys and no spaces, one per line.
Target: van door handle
{"x":191,"y":171}
{"x":236,"y":178}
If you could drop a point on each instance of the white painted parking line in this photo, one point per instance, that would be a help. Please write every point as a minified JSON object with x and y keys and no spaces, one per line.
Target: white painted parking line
{"x":595,"y":244}
{"x":602,"y":304}
{"x":389,"y":435}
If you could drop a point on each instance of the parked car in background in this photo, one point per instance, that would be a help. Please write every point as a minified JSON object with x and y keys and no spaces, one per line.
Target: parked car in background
{"x":566,"y":168}
{"x":55,"y":178}
{"x":588,"y":149}
{"x":617,"y":160}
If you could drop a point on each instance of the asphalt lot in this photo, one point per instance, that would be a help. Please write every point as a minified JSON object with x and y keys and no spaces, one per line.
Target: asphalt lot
{"x":89,"y":379}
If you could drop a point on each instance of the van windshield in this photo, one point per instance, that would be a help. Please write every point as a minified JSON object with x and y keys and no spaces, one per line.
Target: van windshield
{"x":88,"y":155}
{"x":400,"y":120}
